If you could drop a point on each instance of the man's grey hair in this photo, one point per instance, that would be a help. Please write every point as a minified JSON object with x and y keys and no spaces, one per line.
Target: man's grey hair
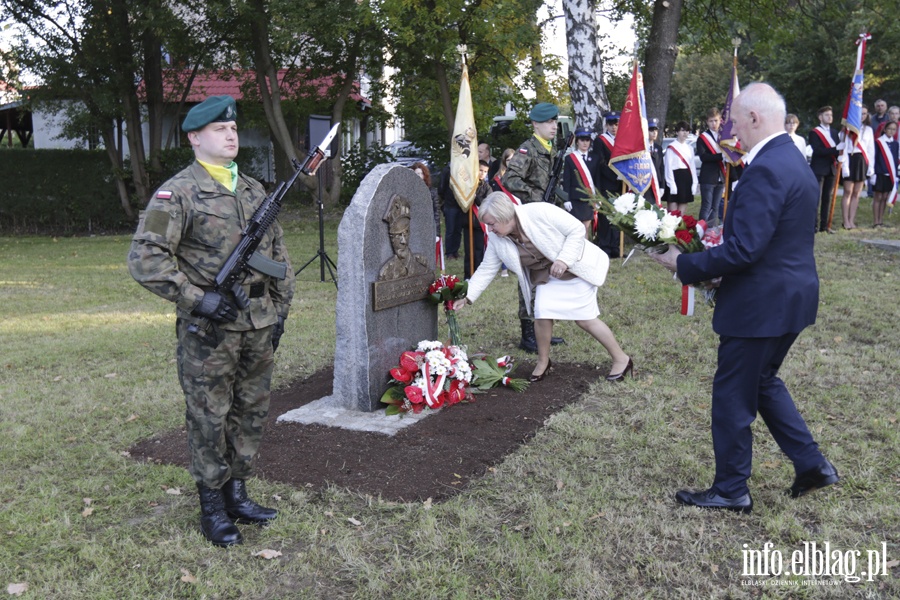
{"x":763,"y":98}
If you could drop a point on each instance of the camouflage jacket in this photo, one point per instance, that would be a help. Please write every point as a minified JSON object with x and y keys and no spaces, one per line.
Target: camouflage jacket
{"x":187,"y":232}
{"x":529,"y":171}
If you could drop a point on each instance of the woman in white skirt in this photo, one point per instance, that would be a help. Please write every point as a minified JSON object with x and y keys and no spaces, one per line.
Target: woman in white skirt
{"x":545,"y":247}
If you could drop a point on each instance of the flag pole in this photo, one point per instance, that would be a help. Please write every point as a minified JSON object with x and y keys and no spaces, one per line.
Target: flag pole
{"x":852,"y":115}
{"x":736,"y":42}
{"x":464,"y":157}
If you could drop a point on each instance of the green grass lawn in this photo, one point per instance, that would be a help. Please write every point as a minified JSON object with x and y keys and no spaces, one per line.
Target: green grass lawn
{"x":584,"y":510}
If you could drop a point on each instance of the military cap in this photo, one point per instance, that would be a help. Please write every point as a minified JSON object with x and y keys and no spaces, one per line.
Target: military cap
{"x":215,"y":109}
{"x":582,"y":133}
{"x":652,"y":123}
{"x":613,"y":116}
{"x":397,"y":215}
{"x":543,"y":111}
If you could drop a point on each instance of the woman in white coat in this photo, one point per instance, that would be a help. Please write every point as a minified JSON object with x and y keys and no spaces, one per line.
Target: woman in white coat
{"x":545,"y":247}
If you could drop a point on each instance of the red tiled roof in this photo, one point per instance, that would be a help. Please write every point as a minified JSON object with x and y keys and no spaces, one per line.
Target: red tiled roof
{"x":215,"y":83}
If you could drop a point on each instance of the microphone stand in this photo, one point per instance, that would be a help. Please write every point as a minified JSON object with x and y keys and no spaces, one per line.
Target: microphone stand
{"x":324,"y":259}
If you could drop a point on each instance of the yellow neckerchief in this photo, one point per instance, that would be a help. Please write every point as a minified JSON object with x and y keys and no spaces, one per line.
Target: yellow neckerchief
{"x":545,"y":143}
{"x":226,"y":175}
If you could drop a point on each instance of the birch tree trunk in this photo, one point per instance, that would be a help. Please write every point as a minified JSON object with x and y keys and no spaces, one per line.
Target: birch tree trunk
{"x":662,"y":48}
{"x":589,"y":99}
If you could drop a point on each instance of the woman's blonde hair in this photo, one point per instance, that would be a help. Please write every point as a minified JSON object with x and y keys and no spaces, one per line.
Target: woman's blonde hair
{"x":499,"y":206}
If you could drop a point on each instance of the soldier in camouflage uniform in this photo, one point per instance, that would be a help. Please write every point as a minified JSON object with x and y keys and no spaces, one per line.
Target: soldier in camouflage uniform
{"x":526,"y":178}
{"x":225,"y":355}
{"x":529,"y":168}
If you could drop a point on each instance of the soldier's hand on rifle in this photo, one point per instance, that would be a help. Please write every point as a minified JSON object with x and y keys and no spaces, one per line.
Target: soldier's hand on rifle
{"x":568,"y":206}
{"x":277,"y":332}
{"x":216,"y":307}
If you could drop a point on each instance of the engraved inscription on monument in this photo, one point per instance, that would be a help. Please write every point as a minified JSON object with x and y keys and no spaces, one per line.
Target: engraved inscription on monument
{"x":400,"y":291}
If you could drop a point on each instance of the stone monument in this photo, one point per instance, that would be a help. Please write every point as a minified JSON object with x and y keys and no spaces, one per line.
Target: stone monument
{"x":386,"y":262}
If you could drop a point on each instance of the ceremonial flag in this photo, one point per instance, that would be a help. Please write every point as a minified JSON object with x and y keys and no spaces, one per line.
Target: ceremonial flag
{"x":464,"y":147}
{"x":631,"y":155}
{"x":852,"y":119}
{"x":731,"y":146}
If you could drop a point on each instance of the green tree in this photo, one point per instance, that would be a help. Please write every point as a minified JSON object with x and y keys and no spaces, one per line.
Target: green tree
{"x":95,"y":53}
{"x":423,"y":63}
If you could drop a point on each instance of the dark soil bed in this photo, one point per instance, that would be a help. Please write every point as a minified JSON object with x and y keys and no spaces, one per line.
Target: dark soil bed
{"x":434,"y":458}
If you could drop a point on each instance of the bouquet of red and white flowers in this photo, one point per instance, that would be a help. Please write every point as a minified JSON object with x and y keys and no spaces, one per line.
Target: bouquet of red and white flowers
{"x":446,"y":289}
{"x":431,"y":376}
{"x":652,"y":228}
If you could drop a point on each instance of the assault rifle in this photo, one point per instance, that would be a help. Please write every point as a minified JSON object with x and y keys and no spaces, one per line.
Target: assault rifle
{"x":244,"y":256}
{"x":556,"y":170}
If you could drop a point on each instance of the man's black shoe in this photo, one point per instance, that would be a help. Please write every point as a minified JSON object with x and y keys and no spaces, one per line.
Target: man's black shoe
{"x":214,"y":522}
{"x":241,"y":508}
{"x":822,"y":476}
{"x":556,"y":341}
{"x":710,"y":499}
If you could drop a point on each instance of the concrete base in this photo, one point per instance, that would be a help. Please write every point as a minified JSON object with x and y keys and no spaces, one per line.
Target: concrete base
{"x":327,"y":411}
{"x":888,"y":245}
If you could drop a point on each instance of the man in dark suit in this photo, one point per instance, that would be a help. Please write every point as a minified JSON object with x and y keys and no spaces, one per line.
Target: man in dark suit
{"x":769,"y":292}
{"x":824,"y":142}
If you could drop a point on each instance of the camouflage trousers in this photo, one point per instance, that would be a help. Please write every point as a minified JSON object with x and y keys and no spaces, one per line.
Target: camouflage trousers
{"x":524,"y":315}
{"x":226,"y":393}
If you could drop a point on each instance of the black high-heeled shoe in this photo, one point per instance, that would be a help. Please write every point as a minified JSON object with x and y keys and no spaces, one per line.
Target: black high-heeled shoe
{"x":535,"y":378}
{"x":629,"y":369}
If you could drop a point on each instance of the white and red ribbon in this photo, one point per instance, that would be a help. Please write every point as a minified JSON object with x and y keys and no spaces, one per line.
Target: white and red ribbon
{"x":687,"y":300}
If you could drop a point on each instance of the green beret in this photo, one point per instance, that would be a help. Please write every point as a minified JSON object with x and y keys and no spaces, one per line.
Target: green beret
{"x":543,"y":111}
{"x":215,"y":109}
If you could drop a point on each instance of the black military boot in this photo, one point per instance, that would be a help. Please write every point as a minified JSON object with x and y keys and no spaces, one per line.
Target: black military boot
{"x":241,"y":508}
{"x":214,"y":522}
{"x":529,"y":342}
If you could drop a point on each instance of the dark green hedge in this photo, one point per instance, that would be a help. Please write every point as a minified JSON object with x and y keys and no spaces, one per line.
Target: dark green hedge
{"x":68,"y":192}
{"x":58,"y":191}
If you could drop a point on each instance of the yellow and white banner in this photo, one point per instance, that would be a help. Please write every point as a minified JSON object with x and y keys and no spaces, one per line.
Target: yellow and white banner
{"x":464,"y":147}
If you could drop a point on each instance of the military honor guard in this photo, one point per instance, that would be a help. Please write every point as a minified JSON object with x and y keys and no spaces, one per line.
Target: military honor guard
{"x":225,"y":354}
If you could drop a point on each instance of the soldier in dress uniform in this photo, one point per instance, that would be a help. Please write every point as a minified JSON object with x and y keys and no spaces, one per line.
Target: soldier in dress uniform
{"x":526,"y":178}
{"x":225,"y":354}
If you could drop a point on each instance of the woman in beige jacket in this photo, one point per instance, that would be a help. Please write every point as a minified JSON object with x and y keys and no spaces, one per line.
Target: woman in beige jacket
{"x":546,"y":249}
